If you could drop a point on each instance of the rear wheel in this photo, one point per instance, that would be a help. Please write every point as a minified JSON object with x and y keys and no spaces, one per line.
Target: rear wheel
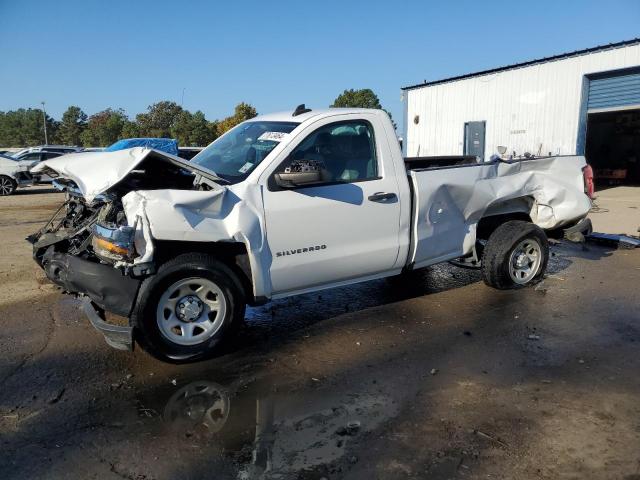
{"x":7,"y":185}
{"x":515,"y":255}
{"x":184,"y":312}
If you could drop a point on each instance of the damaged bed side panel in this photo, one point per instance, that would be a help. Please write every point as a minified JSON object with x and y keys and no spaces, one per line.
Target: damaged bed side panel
{"x":449,"y":202}
{"x":230,"y":214}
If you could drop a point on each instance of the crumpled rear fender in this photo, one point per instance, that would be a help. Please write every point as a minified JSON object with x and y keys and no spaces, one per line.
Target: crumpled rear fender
{"x":450,"y":202}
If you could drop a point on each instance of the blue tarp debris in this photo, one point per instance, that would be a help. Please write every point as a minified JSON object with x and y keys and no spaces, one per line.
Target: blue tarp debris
{"x":168,"y":145}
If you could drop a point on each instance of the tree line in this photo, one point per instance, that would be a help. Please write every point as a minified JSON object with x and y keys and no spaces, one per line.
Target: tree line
{"x":24,"y":127}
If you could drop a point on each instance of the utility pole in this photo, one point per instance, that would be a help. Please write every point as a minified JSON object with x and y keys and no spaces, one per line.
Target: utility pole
{"x":44,"y":122}
{"x":182,"y":101}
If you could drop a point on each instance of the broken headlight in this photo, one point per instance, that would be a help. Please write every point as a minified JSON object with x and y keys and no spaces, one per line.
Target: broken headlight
{"x":113,"y":244}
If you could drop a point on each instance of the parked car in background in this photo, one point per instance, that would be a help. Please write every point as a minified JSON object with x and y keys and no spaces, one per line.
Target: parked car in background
{"x":13,"y":174}
{"x":44,"y":152}
{"x":33,"y":155}
{"x":167,"y":145}
{"x":189,"y":152}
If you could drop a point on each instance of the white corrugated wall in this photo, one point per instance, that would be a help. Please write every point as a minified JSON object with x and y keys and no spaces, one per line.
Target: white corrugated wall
{"x":529,"y":109}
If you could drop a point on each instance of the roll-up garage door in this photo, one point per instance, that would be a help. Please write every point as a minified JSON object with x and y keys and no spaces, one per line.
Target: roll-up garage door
{"x":614,"y":92}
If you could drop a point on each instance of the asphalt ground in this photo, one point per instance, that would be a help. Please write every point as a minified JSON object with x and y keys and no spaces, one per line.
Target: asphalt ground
{"x":437,"y":377}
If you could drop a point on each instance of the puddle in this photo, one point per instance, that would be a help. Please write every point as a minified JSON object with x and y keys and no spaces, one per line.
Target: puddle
{"x":264,"y":428}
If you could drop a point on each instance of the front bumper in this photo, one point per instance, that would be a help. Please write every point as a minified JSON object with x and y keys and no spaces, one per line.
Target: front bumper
{"x":106,"y":286}
{"x":116,"y":336}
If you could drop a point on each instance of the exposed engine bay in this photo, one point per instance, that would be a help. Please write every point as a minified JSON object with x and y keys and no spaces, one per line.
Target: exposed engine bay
{"x":89,"y":245}
{"x":98,"y":229}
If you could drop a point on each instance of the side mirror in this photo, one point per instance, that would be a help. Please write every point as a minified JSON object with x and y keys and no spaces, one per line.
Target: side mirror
{"x":300,"y":173}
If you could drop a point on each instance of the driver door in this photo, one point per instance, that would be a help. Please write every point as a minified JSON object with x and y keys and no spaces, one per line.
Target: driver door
{"x":339,"y":229}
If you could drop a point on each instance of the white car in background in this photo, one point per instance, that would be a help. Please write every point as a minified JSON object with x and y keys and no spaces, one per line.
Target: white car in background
{"x":15,"y":169}
{"x":13,"y":174}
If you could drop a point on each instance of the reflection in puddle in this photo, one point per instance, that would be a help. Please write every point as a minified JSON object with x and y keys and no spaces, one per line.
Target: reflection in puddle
{"x":269,"y":431}
{"x":202,"y":402}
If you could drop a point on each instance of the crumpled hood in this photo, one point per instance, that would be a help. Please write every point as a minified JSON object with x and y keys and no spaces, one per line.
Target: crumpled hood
{"x":97,"y":172}
{"x":94,"y":172}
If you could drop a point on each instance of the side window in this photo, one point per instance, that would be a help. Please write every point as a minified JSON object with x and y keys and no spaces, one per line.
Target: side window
{"x":346,"y":151}
{"x":32,"y":156}
{"x":48,"y":155}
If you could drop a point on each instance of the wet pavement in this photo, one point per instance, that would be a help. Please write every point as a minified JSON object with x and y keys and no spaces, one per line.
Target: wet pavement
{"x":435,"y":377}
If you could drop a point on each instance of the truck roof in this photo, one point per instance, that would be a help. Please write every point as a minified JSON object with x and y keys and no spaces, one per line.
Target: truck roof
{"x":327,"y":112}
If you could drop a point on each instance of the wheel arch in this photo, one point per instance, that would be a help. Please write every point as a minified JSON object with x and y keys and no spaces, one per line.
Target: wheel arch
{"x":519,"y":208}
{"x":232,"y":254}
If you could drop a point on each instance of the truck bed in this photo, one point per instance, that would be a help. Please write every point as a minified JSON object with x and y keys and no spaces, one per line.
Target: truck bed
{"x":449,"y":200}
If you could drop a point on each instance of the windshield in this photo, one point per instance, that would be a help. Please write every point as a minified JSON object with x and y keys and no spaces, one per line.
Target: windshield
{"x":236,"y":153}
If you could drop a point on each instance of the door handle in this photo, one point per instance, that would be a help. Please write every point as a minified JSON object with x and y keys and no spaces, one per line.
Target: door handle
{"x":382,"y":197}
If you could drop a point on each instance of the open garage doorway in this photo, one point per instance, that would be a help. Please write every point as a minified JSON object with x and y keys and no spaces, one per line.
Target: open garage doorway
{"x":613,"y":147}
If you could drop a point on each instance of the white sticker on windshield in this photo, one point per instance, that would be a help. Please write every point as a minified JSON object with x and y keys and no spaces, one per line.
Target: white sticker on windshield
{"x":245,"y":167}
{"x":273,"y":136}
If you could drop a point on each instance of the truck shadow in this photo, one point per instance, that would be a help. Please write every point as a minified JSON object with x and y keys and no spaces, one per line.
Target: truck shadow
{"x":279,"y":318}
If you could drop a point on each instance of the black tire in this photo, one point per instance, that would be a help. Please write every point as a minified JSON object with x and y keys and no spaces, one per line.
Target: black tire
{"x":499,"y":248}
{"x":7,"y":185}
{"x":189,"y":265}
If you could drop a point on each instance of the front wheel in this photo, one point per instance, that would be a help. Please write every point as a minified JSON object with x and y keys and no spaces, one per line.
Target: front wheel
{"x":184,"y":311}
{"x":515,"y":255}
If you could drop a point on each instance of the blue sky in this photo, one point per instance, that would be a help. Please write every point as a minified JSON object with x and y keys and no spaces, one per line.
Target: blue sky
{"x":275,"y":55}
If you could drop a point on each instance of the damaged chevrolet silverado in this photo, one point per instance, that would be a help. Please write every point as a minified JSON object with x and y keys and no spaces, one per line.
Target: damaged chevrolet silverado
{"x":285,"y":204}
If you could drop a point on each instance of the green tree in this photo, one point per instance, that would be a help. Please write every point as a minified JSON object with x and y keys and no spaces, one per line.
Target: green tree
{"x":181,"y":127}
{"x":202,"y":132}
{"x":159,"y":119}
{"x":24,"y":127}
{"x":104,"y":128}
{"x":363,"y":98}
{"x":242,"y":112}
{"x":74,"y":121}
{"x":129,"y":130}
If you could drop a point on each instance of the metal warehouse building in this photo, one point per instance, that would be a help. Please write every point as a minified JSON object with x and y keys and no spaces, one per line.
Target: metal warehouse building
{"x":584,"y":102}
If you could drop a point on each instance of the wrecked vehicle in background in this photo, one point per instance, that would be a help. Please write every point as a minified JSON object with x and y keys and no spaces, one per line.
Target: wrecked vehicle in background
{"x":15,"y":169}
{"x":285,"y":204}
{"x":13,"y":174}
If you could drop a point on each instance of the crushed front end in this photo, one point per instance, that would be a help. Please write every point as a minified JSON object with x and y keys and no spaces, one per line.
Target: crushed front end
{"x":79,"y":249}
{"x":97,"y":246}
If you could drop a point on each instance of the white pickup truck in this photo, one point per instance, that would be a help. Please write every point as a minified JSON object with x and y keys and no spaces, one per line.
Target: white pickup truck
{"x":285,"y":204}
